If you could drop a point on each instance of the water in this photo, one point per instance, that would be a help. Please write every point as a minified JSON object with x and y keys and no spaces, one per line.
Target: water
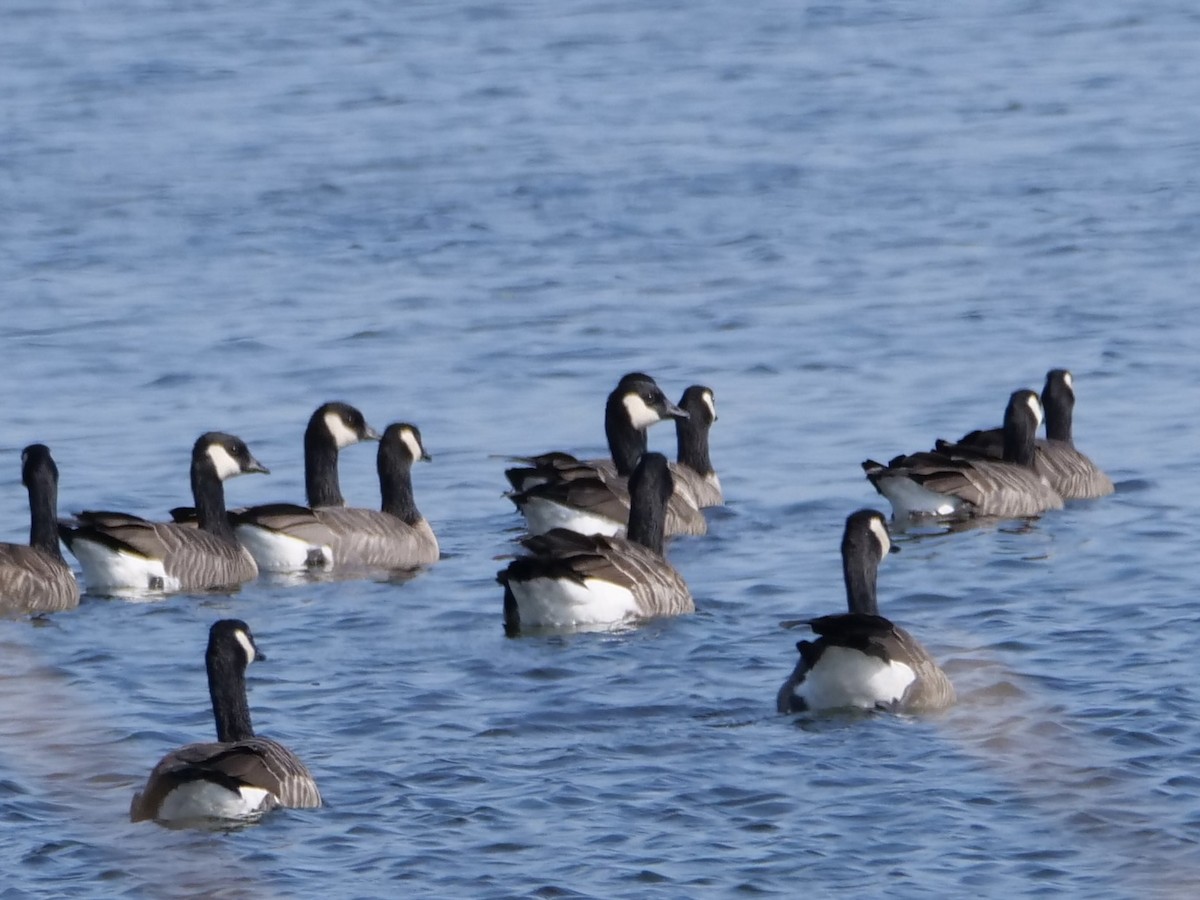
{"x":861,"y":225}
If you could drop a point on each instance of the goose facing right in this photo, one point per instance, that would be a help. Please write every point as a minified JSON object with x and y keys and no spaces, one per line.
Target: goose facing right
{"x":34,"y":577}
{"x":967,"y":483}
{"x":860,"y":659}
{"x":123,"y":551}
{"x":693,"y":467}
{"x":241,"y":775}
{"x":573,"y":580}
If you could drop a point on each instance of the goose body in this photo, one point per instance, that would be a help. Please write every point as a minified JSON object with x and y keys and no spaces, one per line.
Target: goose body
{"x":123,"y":551}
{"x":238,"y":776}
{"x":1069,"y":471}
{"x":860,"y":659}
{"x":286,"y":537}
{"x":570,"y":579}
{"x":396,"y":536}
{"x":557,"y":490}
{"x":959,"y":482}
{"x":34,"y":577}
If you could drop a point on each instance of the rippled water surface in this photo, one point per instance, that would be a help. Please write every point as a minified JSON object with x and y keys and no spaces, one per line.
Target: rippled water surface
{"x":861,"y":225}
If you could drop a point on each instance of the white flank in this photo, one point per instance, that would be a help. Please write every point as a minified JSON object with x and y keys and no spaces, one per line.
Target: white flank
{"x":879,"y":529}
{"x":104,"y":567}
{"x":206,"y":800}
{"x":641,"y":416}
{"x":410,"y":441}
{"x":910,"y":499}
{"x":343,"y":435}
{"x":562,"y":603}
{"x":225,"y":464}
{"x":275,"y":551}
{"x":707,"y":397}
{"x":541,"y":515}
{"x":843,"y":677}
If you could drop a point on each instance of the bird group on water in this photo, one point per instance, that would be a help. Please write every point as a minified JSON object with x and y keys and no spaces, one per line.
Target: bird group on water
{"x":593,"y":556}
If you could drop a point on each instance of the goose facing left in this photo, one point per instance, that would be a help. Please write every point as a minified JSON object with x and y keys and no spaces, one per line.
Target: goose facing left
{"x":122,"y":551}
{"x":34,"y":577}
{"x":860,"y":659}
{"x":241,"y":775}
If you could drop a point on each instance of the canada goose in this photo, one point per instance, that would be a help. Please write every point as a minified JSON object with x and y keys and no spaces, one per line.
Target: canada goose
{"x":239,"y":776}
{"x":557,"y":490}
{"x":693,"y":470}
{"x":285,"y":537}
{"x":119,"y":550}
{"x":1071,"y":473}
{"x":860,"y":659}
{"x":396,"y":536}
{"x":570,"y":579}
{"x":34,"y":577}
{"x":964,"y":484}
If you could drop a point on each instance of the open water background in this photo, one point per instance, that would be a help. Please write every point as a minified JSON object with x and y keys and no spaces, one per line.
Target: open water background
{"x":862,"y":224}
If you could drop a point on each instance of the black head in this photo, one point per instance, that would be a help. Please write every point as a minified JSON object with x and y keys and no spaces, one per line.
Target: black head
{"x":641,"y":401}
{"x":35,"y":459}
{"x":1058,"y":402}
{"x":342,"y":423}
{"x":867,"y":528}
{"x":653,"y":473}
{"x":405,"y":439}
{"x":698,"y":402}
{"x":227,"y":454}
{"x":233,"y":638}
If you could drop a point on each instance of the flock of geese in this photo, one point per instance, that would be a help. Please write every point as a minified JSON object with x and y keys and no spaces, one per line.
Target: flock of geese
{"x":593,"y":556}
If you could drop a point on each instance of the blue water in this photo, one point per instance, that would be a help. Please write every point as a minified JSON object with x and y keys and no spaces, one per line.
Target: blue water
{"x":863,"y":225}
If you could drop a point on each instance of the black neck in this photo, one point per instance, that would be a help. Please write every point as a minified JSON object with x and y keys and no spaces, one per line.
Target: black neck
{"x":1019,"y":437}
{"x":691,"y":435}
{"x":860,"y":569}
{"x":395,"y":482}
{"x":43,"y":513}
{"x":625,"y":443}
{"x":1058,"y":404}
{"x":227,"y":688}
{"x":320,"y":466}
{"x":650,"y":488}
{"x":209,"y":494}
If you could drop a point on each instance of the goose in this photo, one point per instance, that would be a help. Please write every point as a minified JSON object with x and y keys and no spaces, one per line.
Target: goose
{"x":396,"y":536}
{"x":34,"y":577}
{"x":965,"y":484}
{"x":573,"y":580}
{"x":693,"y":469}
{"x":860,"y":659}
{"x":119,"y":550}
{"x":286,"y":537}
{"x":1071,"y":473}
{"x":558,"y":490}
{"x":240,"y":775}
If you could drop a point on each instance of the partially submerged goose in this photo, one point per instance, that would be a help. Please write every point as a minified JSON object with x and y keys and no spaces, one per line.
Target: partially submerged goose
{"x":573,"y":580}
{"x":860,"y":659}
{"x":241,"y":775}
{"x":34,"y":577}
{"x":963,"y":483}
{"x":286,"y":537}
{"x":119,"y":550}
{"x":1071,"y":473}
{"x":557,"y":490}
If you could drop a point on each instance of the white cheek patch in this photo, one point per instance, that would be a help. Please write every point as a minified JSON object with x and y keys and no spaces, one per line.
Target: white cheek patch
{"x":707,"y":397}
{"x":223,"y":462}
{"x":247,"y":646}
{"x":640,"y":414}
{"x":1035,"y":407}
{"x":1069,"y":381}
{"x":343,"y":435}
{"x":881,"y":534}
{"x":414,"y":446}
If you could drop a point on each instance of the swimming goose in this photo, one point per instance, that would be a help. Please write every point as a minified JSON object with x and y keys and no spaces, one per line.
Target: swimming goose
{"x":860,"y":659}
{"x":240,"y":775}
{"x":1071,"y":473}
{"x":965,"y":483}
{"x":557,"y":490}
{"x":285,"y":537}
{"x":34,"y":577}
{"x":119,"y":550}
{"x":693,"y":469}
{"x":396,"y":536}
{"x":571,"y":580}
